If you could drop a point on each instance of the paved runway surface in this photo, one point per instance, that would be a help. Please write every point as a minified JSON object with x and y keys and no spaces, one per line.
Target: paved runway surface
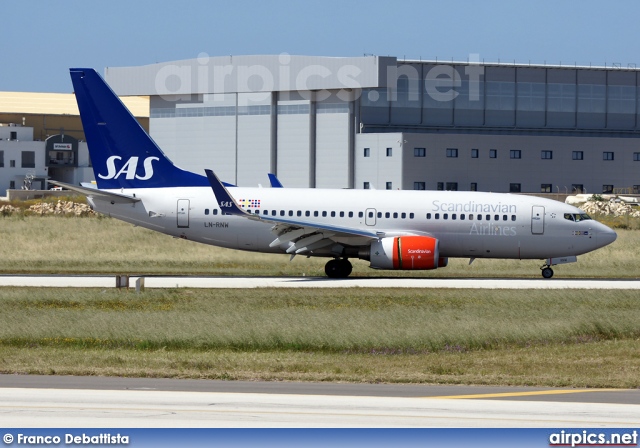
{"x":314,"y":282}
{"x":50,"y":401}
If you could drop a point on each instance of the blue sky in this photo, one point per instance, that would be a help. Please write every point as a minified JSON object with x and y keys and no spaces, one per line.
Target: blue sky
{"x":42,"y":39}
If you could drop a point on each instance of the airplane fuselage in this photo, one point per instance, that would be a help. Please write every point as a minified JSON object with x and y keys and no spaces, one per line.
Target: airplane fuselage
{"x":467,"y":224}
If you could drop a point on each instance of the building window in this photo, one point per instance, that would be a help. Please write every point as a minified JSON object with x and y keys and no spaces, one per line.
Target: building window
{"x":636,"y":189}
{"x":12,"y":163}
{"x":514,"y":188}
{"x":13,"y":135}
{"x":473,"y":186}
{"x":366,"y":185}
{"x":389,"y":185}
{"x":440,"y":186}
{"x":452,"y":186}
{"x":28,"y":159}
{"x":12,"y":185}
{"x":452,"y":152}
{"x":367,"y":152}
{"x":493,"y":153}
{"x":419,"y":152}
{"x":546,"y":155}
{"x":515,"y":154}
{"x":474,"y":153}
{"x":577,"y":189}
{"x":607,"y":189}
{"x":419,"y":186}
{"x":607,"y":155}
{"x":389,"y":152}
{"x":577,"y":155}
{"x":545,"y":188}
{"x":636,"y":157}
{"x":1,"y":159}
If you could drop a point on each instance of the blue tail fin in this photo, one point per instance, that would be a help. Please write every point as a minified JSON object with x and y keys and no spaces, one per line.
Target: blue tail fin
{"x":122,"y":153}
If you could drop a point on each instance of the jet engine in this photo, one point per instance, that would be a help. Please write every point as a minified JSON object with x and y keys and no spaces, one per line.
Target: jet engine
{"x":406,"y":253}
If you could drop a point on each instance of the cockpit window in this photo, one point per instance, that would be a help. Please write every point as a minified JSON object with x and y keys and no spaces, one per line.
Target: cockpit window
{"x":576,"y":216}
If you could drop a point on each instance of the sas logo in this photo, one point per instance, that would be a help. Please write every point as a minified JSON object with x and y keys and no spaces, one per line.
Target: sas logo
{"x":129,"y":169}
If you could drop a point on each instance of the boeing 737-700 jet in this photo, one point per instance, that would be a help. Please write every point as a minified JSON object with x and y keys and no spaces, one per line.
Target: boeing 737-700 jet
{"x":405,"y":230}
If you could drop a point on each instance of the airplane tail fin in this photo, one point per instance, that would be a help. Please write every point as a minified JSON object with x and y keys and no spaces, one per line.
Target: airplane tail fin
{"x":122,"y":153}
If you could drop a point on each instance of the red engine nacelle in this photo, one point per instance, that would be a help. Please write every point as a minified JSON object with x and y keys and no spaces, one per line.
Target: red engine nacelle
{"x":406,"y":253}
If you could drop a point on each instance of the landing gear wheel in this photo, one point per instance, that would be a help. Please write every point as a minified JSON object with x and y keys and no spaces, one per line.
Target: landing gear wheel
{"x":338,"y":268}
{"x":547,"y":272}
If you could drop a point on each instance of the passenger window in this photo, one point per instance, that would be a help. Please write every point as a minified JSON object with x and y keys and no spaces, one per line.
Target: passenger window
{"x":206,"y":211}
{"x":428,"y":215}
{"x":315,"y":213}
{"x":342,"y":214}
{"x":299,"y":213}
{"x":273,"y":213}
{"x":453,"y":216}
{"x":215,"y":211}
{"x":410,"y":215}
{"x":496,"y":218}
{"x":370,"y":214}
{"x":282,"y":213}
{"x":513,"y":217}
{"x":324,"y":214}
{"x":488,"y":217}
{"x":445,"y":216}
{"x":395,"y":214}
{"x":360,"y":214}
{"x":290,"y":212}
{"x":504,"y":217}
{"x":437,"y":215}
{"x":350,"y":214}
{"x":379,"y":214}
{"x":403,"y":215}
{"x":387,"y":215}
{"x":307,"y":213}
{"x":462,"y":217}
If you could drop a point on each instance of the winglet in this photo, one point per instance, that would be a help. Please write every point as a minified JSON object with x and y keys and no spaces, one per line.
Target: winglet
{"x":225,"y":201}
{"x":275,"y":182}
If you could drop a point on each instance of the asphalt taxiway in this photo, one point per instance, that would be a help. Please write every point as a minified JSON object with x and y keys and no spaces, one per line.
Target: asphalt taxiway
{"x":58,"y":401}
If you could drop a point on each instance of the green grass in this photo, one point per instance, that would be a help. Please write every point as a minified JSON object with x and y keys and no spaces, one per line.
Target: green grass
{"x":563,"y":338}
{"x":568,"y":338}
{"x":53,"y":245}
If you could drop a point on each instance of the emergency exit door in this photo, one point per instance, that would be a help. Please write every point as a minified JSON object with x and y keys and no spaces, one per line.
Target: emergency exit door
{"x":183,"y":213}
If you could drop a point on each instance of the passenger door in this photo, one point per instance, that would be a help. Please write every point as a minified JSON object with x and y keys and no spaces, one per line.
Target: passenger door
{"x":537,"y":220}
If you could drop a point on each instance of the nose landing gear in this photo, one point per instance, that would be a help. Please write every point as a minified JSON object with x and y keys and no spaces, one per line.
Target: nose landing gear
{"x":338,"y":268}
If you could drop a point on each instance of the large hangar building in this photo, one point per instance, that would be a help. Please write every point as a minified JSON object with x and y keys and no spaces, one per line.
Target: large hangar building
{"x":378,"y":122}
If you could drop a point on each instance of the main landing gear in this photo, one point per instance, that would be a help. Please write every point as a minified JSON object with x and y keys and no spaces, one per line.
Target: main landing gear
{"x":547,"y":272}
{"x":338,"y":268}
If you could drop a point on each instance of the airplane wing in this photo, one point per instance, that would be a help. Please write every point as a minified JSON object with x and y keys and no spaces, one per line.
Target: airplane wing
{"x":97,"y":194}
{"x":305,"y":235}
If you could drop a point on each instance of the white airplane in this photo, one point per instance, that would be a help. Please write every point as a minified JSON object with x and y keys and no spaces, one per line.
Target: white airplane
{"x":403,"y":230}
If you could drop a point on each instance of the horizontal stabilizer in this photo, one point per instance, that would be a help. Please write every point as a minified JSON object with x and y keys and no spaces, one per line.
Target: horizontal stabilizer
{"x":116,"y":198}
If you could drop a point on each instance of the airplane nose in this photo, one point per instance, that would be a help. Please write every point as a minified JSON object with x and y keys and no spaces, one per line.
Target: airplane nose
{"x":605,"y":236}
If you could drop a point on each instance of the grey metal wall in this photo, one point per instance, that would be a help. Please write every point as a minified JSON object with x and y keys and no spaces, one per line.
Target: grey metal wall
{"x":531,"y":170}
